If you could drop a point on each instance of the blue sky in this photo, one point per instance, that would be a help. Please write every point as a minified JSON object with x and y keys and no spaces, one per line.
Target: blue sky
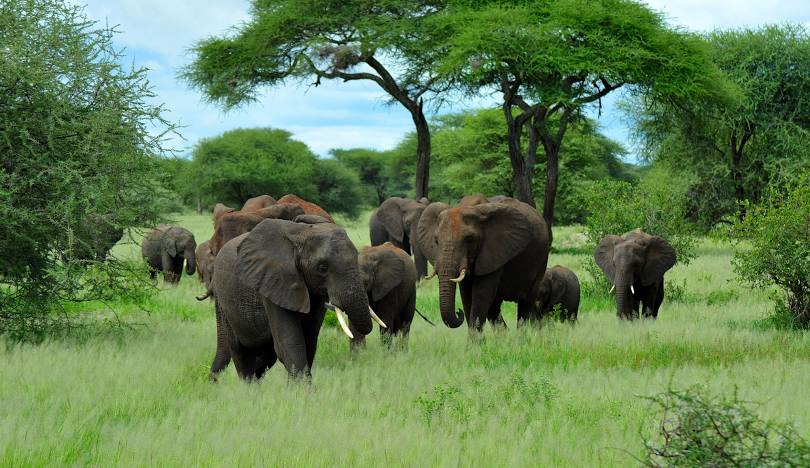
{"x":158,"y":33}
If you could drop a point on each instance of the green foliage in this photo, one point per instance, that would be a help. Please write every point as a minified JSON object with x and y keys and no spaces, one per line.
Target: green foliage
{"x":701,"y":430}
{"x":656,"y":205}
{"x":735,"y":149}
{"x":244,"y":163}
{"x":468,"y":157}
{"x":338,"y":188}
{"x":74,"y":145}
{"x":379,"y":173}
{"x":774,"y":248}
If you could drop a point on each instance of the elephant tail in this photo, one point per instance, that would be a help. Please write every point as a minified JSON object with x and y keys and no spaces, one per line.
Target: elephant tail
{"x":423,"y":317}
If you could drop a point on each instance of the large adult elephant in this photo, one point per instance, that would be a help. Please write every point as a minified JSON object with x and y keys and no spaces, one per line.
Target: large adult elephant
{"x":271,"y":285}
{"x":495,"y":252}
{"x":635,"y":264}
{"x":396,"y":221}
{"x":166,"y":248}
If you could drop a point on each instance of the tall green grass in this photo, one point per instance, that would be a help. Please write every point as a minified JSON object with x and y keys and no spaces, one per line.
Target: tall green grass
{"x":565,"y":396}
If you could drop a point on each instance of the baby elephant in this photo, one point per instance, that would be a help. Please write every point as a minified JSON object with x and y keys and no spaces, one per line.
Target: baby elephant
{"x":389,"y":276}
{"x":559,"y":287}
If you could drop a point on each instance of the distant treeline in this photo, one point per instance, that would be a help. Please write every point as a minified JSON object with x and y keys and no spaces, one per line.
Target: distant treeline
{"x":468,"y":156}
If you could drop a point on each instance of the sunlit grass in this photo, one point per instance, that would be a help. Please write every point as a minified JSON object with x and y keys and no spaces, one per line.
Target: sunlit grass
{"x":566,"y":396}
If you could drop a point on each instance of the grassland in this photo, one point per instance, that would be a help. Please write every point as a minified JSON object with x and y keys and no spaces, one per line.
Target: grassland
{"x":560,"y":396}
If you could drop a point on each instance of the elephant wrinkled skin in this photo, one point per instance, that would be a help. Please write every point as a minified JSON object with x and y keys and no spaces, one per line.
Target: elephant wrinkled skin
{"x":270,"y":287}
{"x":495,"y":252}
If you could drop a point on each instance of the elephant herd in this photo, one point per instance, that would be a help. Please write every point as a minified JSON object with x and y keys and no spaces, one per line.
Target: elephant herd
{"x":274,"y":267}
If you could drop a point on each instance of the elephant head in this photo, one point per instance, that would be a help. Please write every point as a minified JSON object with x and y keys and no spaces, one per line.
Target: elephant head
{"x":179,"y":242}
{"x":205,"y":265}
{"x":231,"y":225}
{"x":400,"y":218}
{"x":381,"y":269}
{"x":288,"y":263}
{"x":637,"y":259}
{"x":474,"y":241}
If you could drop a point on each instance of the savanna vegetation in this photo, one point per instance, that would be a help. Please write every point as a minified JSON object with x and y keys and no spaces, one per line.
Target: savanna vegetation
{"x":98,"y":366}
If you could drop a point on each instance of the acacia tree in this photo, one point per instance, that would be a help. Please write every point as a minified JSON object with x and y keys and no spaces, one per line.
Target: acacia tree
{"x":737,"y":149}
{"x":549,"y":61}
{"x":386,"y":42}
{"x":75,"y":150}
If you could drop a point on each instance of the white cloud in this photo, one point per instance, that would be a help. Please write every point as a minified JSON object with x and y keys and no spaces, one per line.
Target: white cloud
{"x":706,"y":15}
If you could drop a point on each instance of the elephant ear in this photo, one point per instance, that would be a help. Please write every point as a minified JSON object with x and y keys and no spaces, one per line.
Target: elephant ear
{"x":388,"y":273}
{"x":426,"y":230}
{"x":266,"y":263}
{"x":170,"y":245}
{"x":390,"y":215}
{"x":604,"y":255}
{"x":506,"y":232}
{"x":660,"y":258}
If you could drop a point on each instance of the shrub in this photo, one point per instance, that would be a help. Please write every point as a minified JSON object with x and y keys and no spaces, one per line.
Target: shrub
{"x":699,"y":430}
{"x":773,"y":248}
{"x":75,"y":143}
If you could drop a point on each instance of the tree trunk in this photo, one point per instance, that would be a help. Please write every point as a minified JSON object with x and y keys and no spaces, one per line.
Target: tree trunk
{"x":521,"y":172}
{"x":422,"y":152}
{"x":199,"y":205}
{"x":552,"y":176}
{"x":736,"y":174}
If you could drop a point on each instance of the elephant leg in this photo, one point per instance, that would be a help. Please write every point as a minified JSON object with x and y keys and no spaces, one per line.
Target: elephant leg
{"x":265,"y":361}
{"x":312,"y":328}
{"x":290,"y":344}
{"x":222,"y":355}
{"x":495,"y":318}
{"x":244,"y":359}
{"x":483,"y":295}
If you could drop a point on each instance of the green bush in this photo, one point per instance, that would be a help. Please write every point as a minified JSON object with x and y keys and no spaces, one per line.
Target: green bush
{"x":773,"y":249}
{"x":75,"y":143}
{"x":699,"y":430}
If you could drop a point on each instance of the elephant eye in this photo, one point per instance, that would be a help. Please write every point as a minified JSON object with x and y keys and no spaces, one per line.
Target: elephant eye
{"x":323,"y":267}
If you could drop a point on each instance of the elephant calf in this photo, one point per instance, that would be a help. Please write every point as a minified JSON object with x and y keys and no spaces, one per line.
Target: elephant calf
{"x":166,"y":248}
{"x":205,"y":266}
{"x":559,"y":287}
{"x":389,"y":277}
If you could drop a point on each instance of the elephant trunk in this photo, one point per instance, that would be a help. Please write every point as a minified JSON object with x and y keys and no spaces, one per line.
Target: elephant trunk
{"x":447,"y":293}
{"x":191,"y":258}
{"x":354,"y":301}
{"x":624,"y":298}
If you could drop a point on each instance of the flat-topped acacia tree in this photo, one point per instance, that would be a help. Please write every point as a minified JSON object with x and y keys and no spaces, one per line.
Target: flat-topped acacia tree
{"x":386,"y":42}
{"x":550,"y":60}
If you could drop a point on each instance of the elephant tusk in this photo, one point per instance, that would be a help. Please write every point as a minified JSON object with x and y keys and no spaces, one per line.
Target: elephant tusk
{"x":460,"y":277}
{"x":341,"y":316}
{"x":632,"y":290}
{"x":432,"y":275}
{"x":376,"y":318}
{"x":203,"y":297}
{"x":612,"y":288}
